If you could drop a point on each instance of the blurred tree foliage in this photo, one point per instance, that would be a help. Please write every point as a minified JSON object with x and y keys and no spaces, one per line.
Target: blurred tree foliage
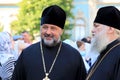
{"x":1,"y":28}
{"x":30,"y":12}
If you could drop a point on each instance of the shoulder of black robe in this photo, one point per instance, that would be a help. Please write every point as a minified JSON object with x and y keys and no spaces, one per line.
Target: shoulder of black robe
{"x":19,"y":71}
{"x":109,"y":68}
{"x":81,"y":70}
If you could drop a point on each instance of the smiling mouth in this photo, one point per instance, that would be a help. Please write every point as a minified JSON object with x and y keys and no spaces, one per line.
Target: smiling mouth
{"x":48,"y":38}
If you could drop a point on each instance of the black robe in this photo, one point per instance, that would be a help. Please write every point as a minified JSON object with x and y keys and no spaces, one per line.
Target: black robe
{"x":68,"y":66}
{"x":109,"y":68}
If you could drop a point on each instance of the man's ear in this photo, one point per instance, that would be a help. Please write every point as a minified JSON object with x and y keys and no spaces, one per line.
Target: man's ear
{"x":111,"y":30}
{"x":61,"y":32}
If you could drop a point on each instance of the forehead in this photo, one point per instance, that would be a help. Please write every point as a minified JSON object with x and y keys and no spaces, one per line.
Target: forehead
{"x":50,"y":25}
{"x":100,"y":25}
{"x":97,"y":24}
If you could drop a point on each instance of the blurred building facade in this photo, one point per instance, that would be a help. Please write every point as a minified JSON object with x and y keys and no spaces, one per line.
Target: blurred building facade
{"x":8,"y":12}
{"x":84,"y":12}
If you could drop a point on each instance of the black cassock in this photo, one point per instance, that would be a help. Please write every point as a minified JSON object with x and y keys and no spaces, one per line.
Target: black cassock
{"x":107,"y":68}
{"x":68,"y":66}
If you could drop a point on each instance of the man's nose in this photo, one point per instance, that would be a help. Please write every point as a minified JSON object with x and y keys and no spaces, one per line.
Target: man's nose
{"x":48,"y":31}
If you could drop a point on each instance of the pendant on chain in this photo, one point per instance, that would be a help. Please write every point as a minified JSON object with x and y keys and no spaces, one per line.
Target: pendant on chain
{"x":46,"y":77}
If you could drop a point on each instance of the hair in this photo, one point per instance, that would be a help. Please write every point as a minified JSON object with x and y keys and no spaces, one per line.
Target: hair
{"x":26,"y":32}
{"x":85,"y":39}
{"x":117,"y":32}
{"x":79,"y":43}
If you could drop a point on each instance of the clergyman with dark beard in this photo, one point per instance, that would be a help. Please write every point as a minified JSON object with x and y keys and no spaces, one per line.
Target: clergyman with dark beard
{"x":50,"y":59}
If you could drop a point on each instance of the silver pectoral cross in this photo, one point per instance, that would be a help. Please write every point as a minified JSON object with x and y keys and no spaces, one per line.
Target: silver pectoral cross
{"x":46,"y":77}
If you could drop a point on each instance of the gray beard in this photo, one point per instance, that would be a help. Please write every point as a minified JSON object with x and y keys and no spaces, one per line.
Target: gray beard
{"x":52,"y":43}
{"x":99,"y":43}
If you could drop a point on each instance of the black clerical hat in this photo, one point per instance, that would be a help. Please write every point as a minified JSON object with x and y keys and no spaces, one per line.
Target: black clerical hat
{"x":108,"y":15}
{"x":54,"y":15}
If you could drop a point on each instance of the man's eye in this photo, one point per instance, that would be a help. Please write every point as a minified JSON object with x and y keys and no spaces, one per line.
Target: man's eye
{"x":45,"y":27}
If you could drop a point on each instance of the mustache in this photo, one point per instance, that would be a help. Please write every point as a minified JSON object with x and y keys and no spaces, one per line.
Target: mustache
{"x":48,"y":35}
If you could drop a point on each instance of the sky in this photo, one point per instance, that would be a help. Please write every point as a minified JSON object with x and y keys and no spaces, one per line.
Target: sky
{"x":9,"y":1}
